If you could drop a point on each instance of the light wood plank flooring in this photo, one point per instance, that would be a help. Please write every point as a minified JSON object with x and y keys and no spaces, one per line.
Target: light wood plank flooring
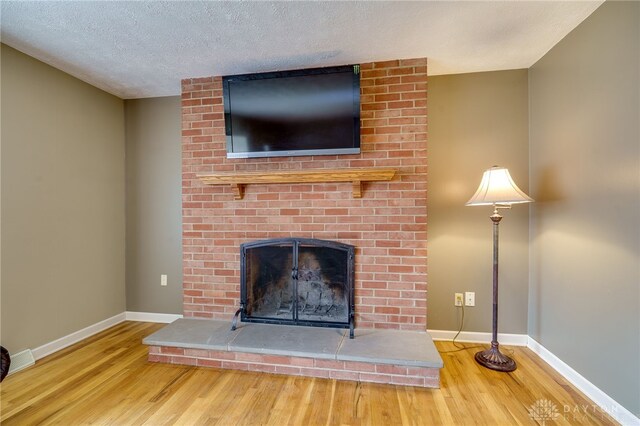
{"x":106,"y":379}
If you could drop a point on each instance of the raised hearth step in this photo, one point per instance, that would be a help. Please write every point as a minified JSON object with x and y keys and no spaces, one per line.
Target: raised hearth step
{"x":404,"y":348}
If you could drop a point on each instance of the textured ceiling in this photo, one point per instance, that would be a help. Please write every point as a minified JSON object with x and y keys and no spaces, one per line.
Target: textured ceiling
{"x":137,"y":49}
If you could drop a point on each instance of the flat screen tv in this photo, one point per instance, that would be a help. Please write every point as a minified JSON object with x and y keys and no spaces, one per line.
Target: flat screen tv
{"x":302,"y":112}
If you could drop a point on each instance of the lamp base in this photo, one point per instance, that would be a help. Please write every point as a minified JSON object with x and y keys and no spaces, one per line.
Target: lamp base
{"x":493,"y":359}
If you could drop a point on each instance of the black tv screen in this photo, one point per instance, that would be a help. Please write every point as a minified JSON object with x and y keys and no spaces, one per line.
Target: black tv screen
{"x":303,"y":112}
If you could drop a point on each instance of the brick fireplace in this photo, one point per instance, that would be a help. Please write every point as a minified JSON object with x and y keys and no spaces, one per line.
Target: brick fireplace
{"x":387,"y":225}
{"x":385,"y":221}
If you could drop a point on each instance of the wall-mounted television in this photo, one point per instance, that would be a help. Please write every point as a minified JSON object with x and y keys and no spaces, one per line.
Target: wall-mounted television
{"x":287,"y":113}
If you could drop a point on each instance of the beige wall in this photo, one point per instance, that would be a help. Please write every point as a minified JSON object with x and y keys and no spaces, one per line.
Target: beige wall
{"x":476,"y":121}
{"x":585,"y":226}
{"x":62,"y":203}
{"x":154,"y":233}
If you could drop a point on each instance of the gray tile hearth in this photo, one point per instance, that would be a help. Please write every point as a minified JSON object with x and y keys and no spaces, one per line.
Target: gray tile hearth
{"x":309,"y":342}
{"x":409,"y":348}
{"x":194,"y":334}
{"x":412,"y":348}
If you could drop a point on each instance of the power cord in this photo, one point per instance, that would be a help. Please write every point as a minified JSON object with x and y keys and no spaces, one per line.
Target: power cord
{"x":459,"y":330}
{"x":460,"y":348}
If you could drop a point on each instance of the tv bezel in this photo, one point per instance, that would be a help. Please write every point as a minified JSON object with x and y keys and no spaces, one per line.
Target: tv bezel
{"x":354,"y":69}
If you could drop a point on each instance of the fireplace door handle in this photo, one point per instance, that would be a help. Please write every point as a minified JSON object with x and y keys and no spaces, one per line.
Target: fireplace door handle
{"x":294,"y":273}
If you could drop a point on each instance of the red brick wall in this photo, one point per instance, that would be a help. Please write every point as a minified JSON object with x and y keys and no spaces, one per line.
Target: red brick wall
{"x":388,"y":225}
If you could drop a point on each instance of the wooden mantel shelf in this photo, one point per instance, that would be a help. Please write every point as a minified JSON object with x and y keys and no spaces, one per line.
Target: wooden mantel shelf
{"x":356,"y":176}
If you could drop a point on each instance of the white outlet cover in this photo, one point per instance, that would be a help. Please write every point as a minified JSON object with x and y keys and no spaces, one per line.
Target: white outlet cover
{"x":470,"y":298}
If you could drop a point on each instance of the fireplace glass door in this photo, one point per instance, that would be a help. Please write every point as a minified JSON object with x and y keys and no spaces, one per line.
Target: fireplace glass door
{"x":297,"y":281}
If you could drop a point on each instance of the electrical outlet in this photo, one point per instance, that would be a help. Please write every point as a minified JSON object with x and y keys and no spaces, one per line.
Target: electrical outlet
{"x":470,"y":298}
{"x":163,"y":280}
{"x":458,"y":299}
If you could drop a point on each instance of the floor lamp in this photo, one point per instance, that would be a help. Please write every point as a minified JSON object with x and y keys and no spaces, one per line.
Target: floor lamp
{"x":496,"y":189}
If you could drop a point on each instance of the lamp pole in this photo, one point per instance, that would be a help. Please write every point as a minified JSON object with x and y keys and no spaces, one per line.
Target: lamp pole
{"x":492,"y":358}
{"x":495,"y":218}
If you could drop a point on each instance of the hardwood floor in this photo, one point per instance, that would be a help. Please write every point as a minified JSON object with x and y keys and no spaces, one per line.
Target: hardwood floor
{"x":107,"y":380}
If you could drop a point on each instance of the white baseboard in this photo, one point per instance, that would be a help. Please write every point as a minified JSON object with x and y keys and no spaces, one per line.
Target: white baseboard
{"x":604,"y":401}
{"x":480,"y":337}
{"x":70,"y":339}
{"x":151,"y":317}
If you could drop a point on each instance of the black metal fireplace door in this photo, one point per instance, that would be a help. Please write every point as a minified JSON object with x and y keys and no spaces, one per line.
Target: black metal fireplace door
{"x":297,"y":281}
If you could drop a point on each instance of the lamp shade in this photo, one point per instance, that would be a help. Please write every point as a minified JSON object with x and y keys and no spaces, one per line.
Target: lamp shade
{"x":497,"y":187}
